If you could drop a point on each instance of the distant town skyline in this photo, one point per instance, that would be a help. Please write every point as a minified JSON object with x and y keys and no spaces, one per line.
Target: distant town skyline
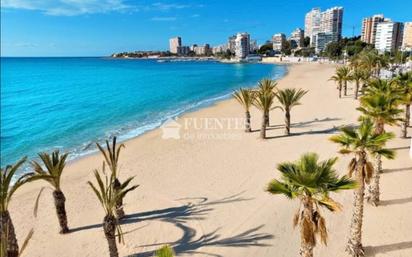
{"x":89,"y":28}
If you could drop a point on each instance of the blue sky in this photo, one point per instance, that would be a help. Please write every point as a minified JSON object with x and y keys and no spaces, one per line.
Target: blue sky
{"x":101,"y":27}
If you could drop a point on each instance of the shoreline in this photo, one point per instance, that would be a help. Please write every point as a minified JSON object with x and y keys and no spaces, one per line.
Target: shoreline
{"x":204,"y":104}
{"x":190,"y":188}
{"x":128,"y":123}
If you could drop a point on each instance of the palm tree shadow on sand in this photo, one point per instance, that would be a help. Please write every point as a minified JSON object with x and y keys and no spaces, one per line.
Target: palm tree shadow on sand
{"x":196,"y":209}
{"x":303,"y":124}
{"x":372,"y":251}
{"x":191,"y":242}
{"x":395,"y":201}
{"x":188,"y":243}
{"x":311,"y":132}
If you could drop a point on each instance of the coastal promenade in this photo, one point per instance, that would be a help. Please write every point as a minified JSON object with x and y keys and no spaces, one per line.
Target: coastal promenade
{"x":204,"y":193}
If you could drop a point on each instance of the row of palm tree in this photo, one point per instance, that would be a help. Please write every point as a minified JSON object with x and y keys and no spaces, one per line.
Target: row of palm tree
{"x":364,"y":143}
{"x":263,"y":98}
{"x":379,"y":106}
{"x":109,"y":191}
{"x":310,"y":180}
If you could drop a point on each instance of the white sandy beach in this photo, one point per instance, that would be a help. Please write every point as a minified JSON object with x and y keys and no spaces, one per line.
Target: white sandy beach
{"x":206,"y":197}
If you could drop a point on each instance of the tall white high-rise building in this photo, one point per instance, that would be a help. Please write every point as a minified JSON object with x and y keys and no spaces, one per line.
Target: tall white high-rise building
{"x":328,"y":22}
{"x":369,"y":26}
{"x":278,"y":41}
{"x":174,"y":43}
{"x":388,"y":36}
{"x":312,"y":23}
{"x":296,"y":37}
{"x":407,"y":37}
{"x":231,"y":43}
{"x":331,"y":22}
{"x":242,"y":45}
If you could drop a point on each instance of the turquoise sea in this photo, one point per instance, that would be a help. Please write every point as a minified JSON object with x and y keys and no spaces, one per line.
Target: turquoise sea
{"x":70,"y":103}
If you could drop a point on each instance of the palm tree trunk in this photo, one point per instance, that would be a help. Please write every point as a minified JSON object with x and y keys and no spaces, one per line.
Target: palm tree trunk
{"x":374,"y":191}
{"x":287,"y":122}
{"x":307,"y":235}
{"x":354,"y":246}
{"x":8,"y":234}
{"x":345,"y":88}
{"x":119,"y":203}
{"x":109,"y":227}
{"x":404,"y":129}
{"x":356,"y":89}
{"x":59,"y":202}
{"x":340,"y":89}
{"x":263,"y":127}
{"x":407,"y":114}
{"x":247,"y":124}
{"x":267,"y":118}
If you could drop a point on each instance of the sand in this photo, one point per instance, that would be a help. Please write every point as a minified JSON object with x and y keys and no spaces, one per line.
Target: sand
{"x":204,"y":193}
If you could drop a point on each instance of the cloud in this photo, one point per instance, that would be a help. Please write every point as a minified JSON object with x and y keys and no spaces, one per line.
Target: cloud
{"x":167,"y":7}
{"x":163,"y":18}
{"x":69,"y":7}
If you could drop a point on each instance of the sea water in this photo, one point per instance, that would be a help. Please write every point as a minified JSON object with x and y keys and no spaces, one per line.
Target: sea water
{"x":71,"y":103}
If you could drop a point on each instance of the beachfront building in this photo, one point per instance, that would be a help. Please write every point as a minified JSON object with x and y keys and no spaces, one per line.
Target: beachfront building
{"x":231,"y":44}
{"x":174,"y":43}
{"x":253,"y":46}
{"x":242,"y":45}
{"x":192,"y":47}
{"x":388,"y":36}
{"x":296,"y":38}
{"x":278,"y":41}
{"x":312,"y":24}
{"x":322,"y":39}
{"x":219,"y":49}
{"x":407,"y":37}
{"x":331,"y":22}
{"x":183,"y":50}
{"x":202,"y":50}
{"x":369,"y":26}
{"x":328,"y":23}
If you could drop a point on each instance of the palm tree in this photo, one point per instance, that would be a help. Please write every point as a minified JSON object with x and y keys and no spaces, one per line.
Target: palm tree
{"x":264,"y":101}
{"x":111,"y":157}
{"x":109,"y":197}
{"x":165,"y":251}
{"x":338,"y":78}
{"x":245,"y":97}
{"x":310,"y":181}
{"x":384,"y":86}
{"x":382,"y":61}
{"x":8,"y":188}
{"x":289,"y":98}
{"x":367,"y":61}
{"x":373,"y":61}
{"x":267,"y":86}
{"x":362,"y":142}
{"x":4,"y":242}
{"x":346,"y":76}
{"x":382,"y":109}
{"x":54,"y":165}
{"x":365,"y":79}
{"x":404,"y":83}
{"x":357,"y":76}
